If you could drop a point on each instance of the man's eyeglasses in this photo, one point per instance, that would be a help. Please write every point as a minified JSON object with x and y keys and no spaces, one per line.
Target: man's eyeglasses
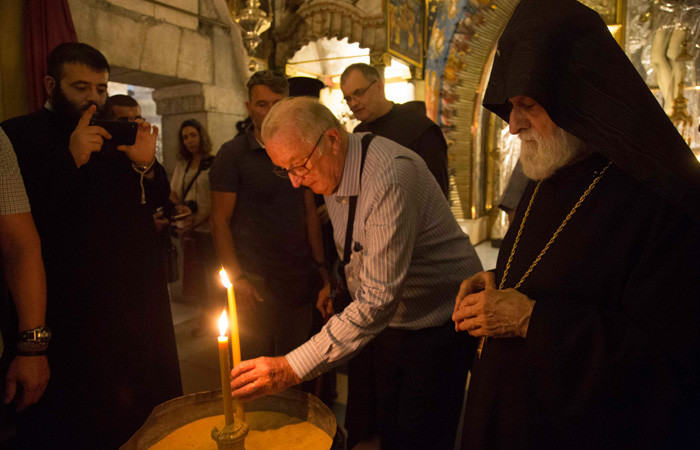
{"x":300,"y":170}
{"x":359,"y":93}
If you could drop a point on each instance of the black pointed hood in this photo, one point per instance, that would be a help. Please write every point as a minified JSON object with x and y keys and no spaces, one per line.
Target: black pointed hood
{"x":561,"y":54}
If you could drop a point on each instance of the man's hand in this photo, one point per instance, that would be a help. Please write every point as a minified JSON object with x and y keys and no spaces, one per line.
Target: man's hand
{"x":262,"y":376}
{"x":30,"y":372}
{"x":185,"y":225}
{"x":144,"y":149}
{"x":324,"y":303}
{"x":160,"y":221}
{"x":476,"y":283}
{"x":246,"y":295}
{"x":86,"y":139}
{"x":495,"y":313}
{"x":182,"y":209}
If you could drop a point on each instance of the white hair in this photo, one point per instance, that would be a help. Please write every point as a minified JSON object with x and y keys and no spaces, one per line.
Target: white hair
{"x":304,"y":114}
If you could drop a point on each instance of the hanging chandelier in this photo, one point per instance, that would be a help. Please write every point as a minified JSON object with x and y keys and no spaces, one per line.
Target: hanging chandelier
{"x":253,"y":22}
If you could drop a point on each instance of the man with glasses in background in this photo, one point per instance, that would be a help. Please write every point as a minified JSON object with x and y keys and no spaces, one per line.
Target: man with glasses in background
{"x":406,"y":124}
{"x":403,"y":258}
{"x":266,"y":233}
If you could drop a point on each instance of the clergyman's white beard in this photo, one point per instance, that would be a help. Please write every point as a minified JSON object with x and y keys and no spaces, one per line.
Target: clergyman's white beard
{"x":541,"y":156}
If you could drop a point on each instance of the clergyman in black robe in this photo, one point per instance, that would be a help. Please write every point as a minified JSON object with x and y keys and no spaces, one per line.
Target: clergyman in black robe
{"x":113,"y":356}
{"x":598,"y":346}
{"x":406,"y":124}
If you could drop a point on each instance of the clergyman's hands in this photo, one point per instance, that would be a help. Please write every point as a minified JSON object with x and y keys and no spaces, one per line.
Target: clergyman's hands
{"x":30,"y":372}
{"x":86,"y":138}
{"x":144,"y":149}
{"x":246,"y":295}
{"x":476,"y":283}
{"x":324,"y":303}
{"x":262,"y":376}
{"x":491,"y":312}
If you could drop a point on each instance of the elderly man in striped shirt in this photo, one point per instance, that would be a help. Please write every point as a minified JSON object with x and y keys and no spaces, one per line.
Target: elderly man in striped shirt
{"x":406,"y":260}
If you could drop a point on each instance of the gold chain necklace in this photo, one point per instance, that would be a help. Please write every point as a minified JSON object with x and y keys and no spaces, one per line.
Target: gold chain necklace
{"x":595,"y":181}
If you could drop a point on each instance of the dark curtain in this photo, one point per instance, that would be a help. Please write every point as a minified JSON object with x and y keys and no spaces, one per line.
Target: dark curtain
{"x":47,"y":23}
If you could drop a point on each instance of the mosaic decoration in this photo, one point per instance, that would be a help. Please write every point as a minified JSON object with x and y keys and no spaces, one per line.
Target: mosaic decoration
{"x":454,"y":70}
{"x":406,"y":30}
{"x":447,"y":15}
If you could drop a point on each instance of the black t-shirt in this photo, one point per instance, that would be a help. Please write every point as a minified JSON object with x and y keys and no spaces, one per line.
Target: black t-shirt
{"x":268,"y":223}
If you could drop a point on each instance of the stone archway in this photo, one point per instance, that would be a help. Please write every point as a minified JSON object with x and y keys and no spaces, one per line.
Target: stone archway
{"x":362,"y":22}
{"x":192,"y":54}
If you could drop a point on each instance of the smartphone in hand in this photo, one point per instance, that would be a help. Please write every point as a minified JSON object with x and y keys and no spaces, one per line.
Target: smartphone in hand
{"x":123,"y":133}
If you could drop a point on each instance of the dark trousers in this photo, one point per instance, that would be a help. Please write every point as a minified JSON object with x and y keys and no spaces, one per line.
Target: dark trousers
{"x":282,"y":321}
{"x":273,"y":329}
{"x":201,"y":283}
{"x":408,"y":386}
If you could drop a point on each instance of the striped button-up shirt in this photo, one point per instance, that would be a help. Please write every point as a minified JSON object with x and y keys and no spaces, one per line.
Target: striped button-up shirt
{"x":408,"y":259}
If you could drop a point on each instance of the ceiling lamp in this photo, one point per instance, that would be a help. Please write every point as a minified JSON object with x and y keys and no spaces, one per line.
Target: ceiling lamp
{"x":254,"y":22}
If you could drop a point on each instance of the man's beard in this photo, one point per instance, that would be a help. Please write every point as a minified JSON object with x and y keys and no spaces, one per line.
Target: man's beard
{"x":541,"y":156}
{"x":68,"y":110}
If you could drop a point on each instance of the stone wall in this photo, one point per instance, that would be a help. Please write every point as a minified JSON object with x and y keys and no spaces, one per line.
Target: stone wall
{"x":187,"y":48}
{"x":13,"y":72}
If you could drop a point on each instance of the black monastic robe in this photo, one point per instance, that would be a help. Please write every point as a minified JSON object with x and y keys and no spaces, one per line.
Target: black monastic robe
{"x":407,"y":125}
{"x":113,"y":355}
{"x":611,"y":356}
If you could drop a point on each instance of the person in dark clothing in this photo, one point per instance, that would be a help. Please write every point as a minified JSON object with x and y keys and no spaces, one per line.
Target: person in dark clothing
{"x":243,"y":125}
{"x":122,"y":107}
{"x":266,"y":234}
{"x":590,"y":324}
{"x":405,"y":124}
{"x":126,"y":109}
{"x":113,"y":355}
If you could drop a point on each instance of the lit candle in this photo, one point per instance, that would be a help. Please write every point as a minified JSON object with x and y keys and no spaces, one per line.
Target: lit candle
{"x":235,"y":340}
{"x":225,"y":369}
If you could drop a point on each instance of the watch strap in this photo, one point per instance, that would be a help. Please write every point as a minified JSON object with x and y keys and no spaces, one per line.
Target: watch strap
{"x":31,"y":353}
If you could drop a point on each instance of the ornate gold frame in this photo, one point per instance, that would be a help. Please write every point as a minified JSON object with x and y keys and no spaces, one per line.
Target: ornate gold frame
{"x":418,"y":63}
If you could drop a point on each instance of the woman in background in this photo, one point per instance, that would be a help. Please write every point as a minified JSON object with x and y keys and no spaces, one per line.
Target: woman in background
{"x":191,"y":195}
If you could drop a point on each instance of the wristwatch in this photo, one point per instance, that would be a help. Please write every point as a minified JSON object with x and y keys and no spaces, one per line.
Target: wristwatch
{"x":34,"y":342}
{"x":41,"y":335}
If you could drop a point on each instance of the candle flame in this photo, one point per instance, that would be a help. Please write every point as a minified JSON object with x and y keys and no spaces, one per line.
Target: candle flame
{"x":223,"y":323}
{"x":224,"y":279}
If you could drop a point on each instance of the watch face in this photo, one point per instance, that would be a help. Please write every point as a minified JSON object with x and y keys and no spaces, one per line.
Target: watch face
{"x":42,"y":334}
